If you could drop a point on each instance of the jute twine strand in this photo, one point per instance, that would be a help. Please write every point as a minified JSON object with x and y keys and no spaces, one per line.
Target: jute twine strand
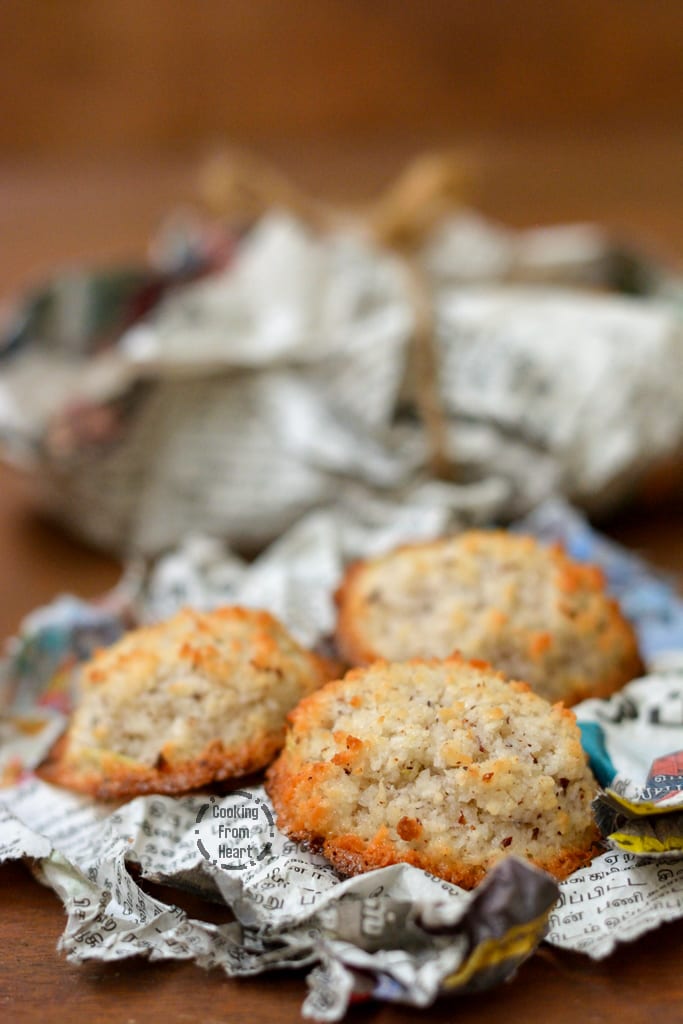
{"x":242,"y":188}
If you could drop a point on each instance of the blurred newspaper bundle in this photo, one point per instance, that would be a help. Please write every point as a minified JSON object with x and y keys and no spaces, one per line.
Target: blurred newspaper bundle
{"x":244,"y":378}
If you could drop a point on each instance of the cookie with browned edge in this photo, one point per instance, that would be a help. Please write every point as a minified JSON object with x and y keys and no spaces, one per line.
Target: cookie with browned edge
{"x":529,"y":610}
{"x":200,"y":697}
{"x":441,"y":764}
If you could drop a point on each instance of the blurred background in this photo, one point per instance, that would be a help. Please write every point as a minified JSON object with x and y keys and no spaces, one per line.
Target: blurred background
{"x":564,"y":110}
{"x":571,"y":108}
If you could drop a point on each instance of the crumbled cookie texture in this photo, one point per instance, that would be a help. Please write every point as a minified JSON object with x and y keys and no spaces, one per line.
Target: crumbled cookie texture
{"x":200,"y":697}
{"x":528,"y":610}
{"x":441,"y":764}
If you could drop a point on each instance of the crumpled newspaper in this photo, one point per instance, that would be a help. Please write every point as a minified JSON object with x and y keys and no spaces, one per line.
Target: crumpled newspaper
{"x":397,"y":934}
{"x":642,"y":814}
{"x":288,"y":369}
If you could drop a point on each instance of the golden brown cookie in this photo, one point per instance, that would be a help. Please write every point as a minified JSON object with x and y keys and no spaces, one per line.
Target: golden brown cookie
{"x":173,"y":706}
{"x":529,"y":610}
{"x":440,"y":764}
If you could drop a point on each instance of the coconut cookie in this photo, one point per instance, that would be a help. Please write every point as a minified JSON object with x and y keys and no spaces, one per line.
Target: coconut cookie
{"x":173,"y":706}
{"x":444,"y":765}
{"x":527,"y":609}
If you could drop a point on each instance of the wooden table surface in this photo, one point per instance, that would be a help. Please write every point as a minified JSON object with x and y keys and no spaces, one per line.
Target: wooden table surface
{"x":96,"y":211}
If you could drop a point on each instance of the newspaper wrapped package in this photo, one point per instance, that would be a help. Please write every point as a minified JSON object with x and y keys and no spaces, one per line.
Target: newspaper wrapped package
{"x":149,"y":405}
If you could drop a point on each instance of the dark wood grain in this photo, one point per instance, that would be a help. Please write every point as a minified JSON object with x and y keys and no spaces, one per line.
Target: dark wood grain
{"x":55,"y":213}
{"x":103,"y":77}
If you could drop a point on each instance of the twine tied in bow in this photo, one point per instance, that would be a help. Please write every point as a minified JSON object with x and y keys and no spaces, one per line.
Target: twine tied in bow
{"x":239,"y":186}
